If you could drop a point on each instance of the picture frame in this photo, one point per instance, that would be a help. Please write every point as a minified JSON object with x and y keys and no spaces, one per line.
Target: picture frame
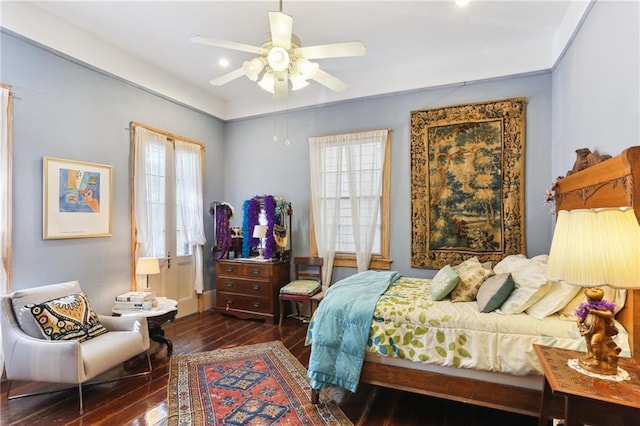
{"x":467,"y":183}
{"x":77,"y":199}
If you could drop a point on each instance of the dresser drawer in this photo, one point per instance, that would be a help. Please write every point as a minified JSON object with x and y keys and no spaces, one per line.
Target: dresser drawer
{"x":244,"y":303}
{"x":229,"y":268}
{"x":242,"y":286}
{"x":256,"y":271}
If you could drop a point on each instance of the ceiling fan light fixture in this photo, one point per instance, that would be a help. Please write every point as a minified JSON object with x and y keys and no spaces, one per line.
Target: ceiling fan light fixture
{"x":278,"y":58}
{"x":267,"y":82}
{"x":298,"y":82}
{"x":307,"y":69}
{"x":253,"y":68}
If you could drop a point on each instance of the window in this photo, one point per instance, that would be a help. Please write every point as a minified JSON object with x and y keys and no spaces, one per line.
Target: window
{"x":350,"y":198}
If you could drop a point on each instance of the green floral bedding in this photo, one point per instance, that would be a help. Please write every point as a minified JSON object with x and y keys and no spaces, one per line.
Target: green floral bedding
{"x":408,"y":324}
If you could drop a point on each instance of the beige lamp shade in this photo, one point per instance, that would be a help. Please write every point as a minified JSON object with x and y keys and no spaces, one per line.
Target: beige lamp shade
{"x":147,"y":266}
{"x":260,"y":231}
{"x":596,"y":247}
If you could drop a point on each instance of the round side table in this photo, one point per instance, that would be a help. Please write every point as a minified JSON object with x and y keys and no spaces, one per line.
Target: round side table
{"x":156,"y":317}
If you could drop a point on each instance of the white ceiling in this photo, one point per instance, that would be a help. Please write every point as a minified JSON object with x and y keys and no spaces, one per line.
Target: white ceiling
{"x":410,"y":45}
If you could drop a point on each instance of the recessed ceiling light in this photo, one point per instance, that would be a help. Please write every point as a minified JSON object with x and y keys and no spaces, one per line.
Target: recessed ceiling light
{"x":223,"y":63}
{"x":462,"y":3}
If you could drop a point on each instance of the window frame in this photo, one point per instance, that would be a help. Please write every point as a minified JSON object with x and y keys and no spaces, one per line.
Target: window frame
{"x":378,"y":261}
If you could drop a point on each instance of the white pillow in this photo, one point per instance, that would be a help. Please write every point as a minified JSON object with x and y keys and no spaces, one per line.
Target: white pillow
{"x":510,"y":264}
{"x":531,"y":286}
{"x":555,"y":299}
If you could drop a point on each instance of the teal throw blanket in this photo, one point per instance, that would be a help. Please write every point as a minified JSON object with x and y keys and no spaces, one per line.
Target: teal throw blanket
{"x":340,"y":328}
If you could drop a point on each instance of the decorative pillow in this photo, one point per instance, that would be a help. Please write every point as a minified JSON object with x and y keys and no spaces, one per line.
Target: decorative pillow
{"x":556,"y":298}
{"x":472,"y":275}
{"x":531,"y":285}
{"x":301,"y":288}
{"x":444,"y":281}
{"x":494,"y":291}
{"x":510,"y":264}
{"x":67,"y":318}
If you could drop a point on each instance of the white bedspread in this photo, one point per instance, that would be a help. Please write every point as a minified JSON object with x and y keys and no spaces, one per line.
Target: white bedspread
{"x":408,"y":324}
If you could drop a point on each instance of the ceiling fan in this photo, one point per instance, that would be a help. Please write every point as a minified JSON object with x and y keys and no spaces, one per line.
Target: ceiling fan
{"x":284,"y":60}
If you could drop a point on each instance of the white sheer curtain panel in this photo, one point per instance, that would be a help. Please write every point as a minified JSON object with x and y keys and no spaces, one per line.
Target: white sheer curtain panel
{"x":150,"y":154}
{"x":189,"y":197}
{"x":326,"y":181}
{"x":5,"y":195}
{"x":365,"y":157}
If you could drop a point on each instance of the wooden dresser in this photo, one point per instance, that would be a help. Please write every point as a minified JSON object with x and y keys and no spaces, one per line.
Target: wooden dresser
{"x":250,"y":289}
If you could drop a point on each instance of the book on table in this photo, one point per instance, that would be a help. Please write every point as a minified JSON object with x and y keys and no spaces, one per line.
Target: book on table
{"x":136,"y":297}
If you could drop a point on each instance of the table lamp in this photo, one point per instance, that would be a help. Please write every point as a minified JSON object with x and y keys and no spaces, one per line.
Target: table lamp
{"x":260,"y":232}
{"x":592,"y":248}
{"x":147,"y":266}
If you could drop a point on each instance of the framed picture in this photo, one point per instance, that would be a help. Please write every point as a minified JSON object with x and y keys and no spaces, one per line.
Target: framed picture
{"x":467,"y":183}
{"x":77,"y":199}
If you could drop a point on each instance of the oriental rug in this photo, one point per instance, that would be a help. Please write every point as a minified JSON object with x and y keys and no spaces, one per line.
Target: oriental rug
{"x":262,"y":384}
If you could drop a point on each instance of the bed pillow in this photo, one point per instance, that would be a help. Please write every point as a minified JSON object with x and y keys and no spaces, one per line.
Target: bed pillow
{"x":510,"y":264}
{"x":556,"y":298}
{"x":531,"y":285}
{"x":67,"y":318}
{"x":472,"y":274}
{"x":611,"y":294}
{"x":444,"y":281}
{"x":494,"y":291}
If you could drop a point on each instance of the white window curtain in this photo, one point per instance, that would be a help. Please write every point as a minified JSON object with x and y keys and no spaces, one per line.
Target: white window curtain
{"x":189,"y":197}
{"x":149,"y":161}
{"x":348,"y":165}
{"x":5,"y":195}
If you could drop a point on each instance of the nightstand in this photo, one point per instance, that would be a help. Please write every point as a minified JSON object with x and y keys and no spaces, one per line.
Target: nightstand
{"x":588,"y":398}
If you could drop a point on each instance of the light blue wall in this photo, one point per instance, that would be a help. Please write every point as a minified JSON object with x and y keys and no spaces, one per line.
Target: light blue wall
{"x":596,"y":86}
{"x":257,"y":165}
{"x":63,"y":109}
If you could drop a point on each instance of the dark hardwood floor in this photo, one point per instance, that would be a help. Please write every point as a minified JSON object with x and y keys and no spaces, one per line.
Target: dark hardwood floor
{"x":142,"y":400}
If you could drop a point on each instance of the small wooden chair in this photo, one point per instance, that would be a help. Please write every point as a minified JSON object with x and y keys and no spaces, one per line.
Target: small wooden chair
{"x":307,"y":285}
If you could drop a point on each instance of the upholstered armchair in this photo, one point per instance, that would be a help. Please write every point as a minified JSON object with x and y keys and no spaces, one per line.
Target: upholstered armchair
{"x":51,"y":334}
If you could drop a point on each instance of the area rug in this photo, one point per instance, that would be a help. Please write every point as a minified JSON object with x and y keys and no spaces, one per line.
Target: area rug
{"x":262,"y":384}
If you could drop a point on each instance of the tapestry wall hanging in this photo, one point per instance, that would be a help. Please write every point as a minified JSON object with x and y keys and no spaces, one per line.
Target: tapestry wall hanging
{"x":467,"y":183}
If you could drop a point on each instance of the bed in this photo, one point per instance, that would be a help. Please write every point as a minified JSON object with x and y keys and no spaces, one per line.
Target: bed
{"x":498,"y":384}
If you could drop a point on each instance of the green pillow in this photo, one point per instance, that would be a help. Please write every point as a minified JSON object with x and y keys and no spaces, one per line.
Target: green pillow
{"x":444,"y":281}
{"x":494,"y":291}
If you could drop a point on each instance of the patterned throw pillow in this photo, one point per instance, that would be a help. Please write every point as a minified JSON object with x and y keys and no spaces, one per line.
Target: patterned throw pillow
{"x":67,"y":318}
{"x":494,"y":291}
{"x":444,"y":281}
{"x":301,"y":288}
{"x":472,"y":275}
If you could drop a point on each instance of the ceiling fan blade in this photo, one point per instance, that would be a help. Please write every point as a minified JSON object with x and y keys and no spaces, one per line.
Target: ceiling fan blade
{"x":224,"y":79}
{"x":336,"y":50}
{"x":330,"y":81}
{"x":228,"y":45}
{"x":281,"y":26}
{"x":281,"y":89}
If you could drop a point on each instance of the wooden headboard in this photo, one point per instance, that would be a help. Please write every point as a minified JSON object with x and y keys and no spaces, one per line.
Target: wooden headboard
{"x":612,"y":183}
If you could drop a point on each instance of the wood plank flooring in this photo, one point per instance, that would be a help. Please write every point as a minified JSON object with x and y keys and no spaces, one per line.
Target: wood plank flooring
{"x":142,"y":400}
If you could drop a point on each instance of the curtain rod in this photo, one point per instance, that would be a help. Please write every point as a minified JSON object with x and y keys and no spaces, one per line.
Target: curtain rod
{"x":350,"y":133}
{"x":167,"y":134}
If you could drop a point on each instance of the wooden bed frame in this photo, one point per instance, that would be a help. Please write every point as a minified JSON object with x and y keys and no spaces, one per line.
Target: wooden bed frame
{"x":614,"y":182}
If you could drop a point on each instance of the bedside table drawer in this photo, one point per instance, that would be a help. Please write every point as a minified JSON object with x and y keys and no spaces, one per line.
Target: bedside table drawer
{"x":240,"y":286}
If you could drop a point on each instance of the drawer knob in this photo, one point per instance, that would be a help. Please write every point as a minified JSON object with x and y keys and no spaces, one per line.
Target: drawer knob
{"x":228,"y":269}
{"x":256,"y":286}
{"x":256,"y":304}
{"x":255,"y":271}
{"x":228,"y":284}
